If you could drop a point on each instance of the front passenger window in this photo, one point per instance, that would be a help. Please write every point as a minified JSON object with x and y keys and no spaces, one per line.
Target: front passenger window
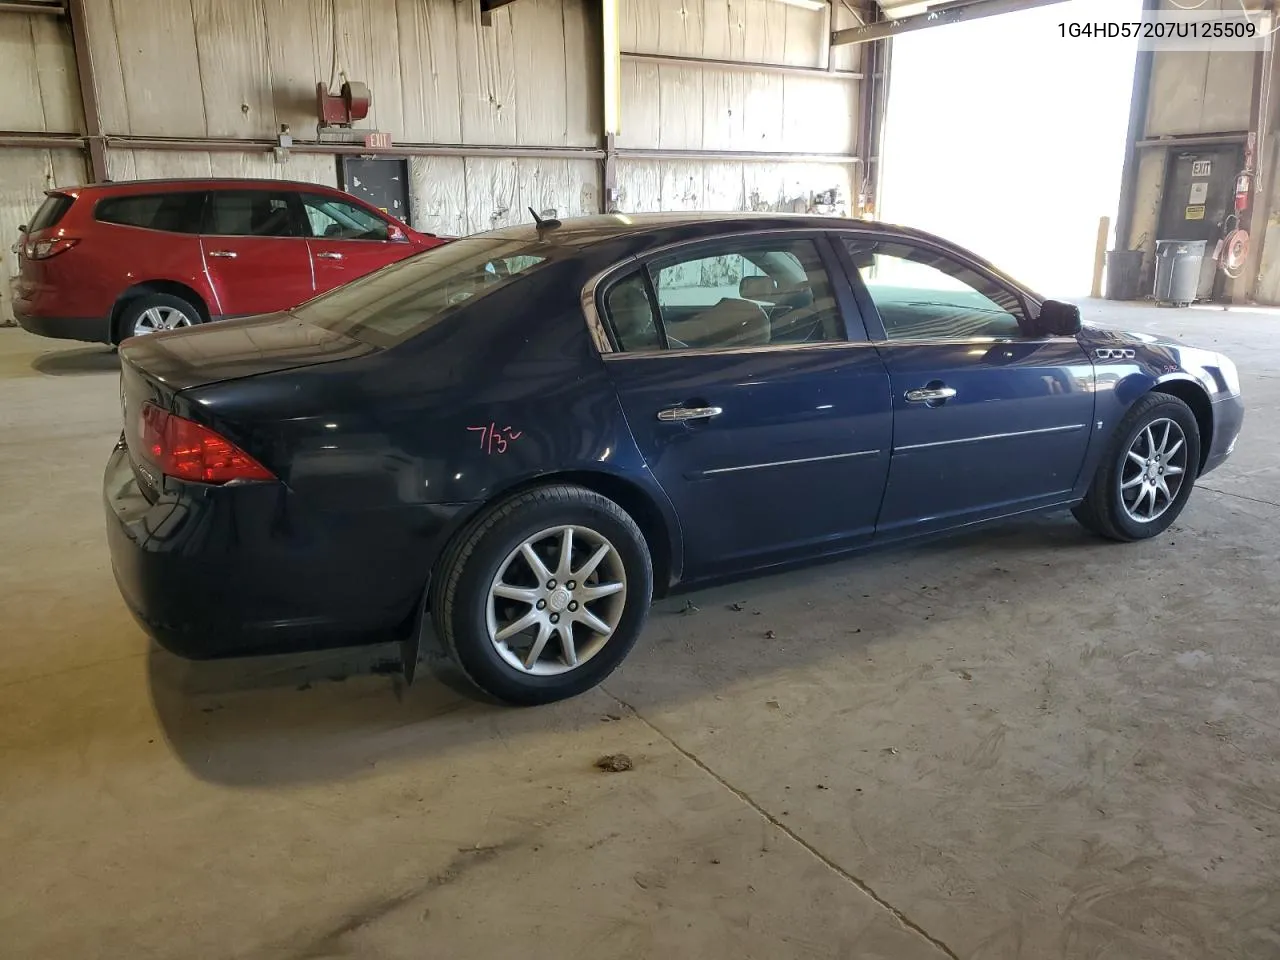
{"x":924,"y":295}
{"x":333,"y":219}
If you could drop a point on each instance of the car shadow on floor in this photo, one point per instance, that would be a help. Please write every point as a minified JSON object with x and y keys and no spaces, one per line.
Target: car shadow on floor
{"x":321,"y":716}
{"x":77,"y":362}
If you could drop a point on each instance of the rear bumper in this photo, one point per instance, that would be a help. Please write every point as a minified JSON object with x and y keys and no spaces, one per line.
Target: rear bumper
{"x":1228,"y":418}
{"x":218,"y":571}
{"x":87,"y":329}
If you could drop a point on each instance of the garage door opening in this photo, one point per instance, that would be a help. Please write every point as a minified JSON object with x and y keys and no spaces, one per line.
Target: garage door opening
{"x":1008,"y":139}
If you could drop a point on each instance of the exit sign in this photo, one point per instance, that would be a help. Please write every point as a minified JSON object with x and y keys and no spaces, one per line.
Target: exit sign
{"x":377,"y":141}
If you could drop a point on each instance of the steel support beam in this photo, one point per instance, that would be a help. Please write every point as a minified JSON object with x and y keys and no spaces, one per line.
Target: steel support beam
{"x":714,"y":64}
{"x":19,"y":139}
{"x":634,"y":153}
{"x":1255,"y":155}
{"x":1138,"y":106}
{"x":1194,"y":140}
{"x":958,"y":12}
{"x":218,"y":145}
{"x":88,"y":92}
{"x":15,"y":6}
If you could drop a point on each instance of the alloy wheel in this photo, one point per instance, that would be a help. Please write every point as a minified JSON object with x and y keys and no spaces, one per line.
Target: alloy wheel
{"x":556,"y":600}
{"x":1154,"y":470}
{"x":155,"y":319}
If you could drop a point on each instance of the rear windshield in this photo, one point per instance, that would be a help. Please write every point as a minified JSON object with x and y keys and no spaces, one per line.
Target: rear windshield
{"x":53,"y":209}
{"x":174,"y":212}
{"x":406,"y":298}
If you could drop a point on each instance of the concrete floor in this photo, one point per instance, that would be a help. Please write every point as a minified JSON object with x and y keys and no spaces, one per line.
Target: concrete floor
{"x":1022,"y":743}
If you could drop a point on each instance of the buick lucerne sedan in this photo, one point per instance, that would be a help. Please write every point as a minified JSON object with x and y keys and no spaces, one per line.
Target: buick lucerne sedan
{"x":520,"y":438}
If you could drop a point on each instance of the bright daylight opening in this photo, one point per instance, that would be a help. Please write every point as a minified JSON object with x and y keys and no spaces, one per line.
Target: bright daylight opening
{"x":1009,"y":141}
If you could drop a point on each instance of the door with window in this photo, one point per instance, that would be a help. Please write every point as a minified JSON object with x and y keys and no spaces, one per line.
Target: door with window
{"x":254,"y":251}
{"x":746,"y":378}
{"x":989,"y":418}
{"x":347,"y":241}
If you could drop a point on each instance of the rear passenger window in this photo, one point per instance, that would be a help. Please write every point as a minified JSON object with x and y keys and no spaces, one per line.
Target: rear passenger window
{"x":632,"y":315}
{"x":746,"y":293}
{"x":172,"y":212}
{"x":249,"y":213}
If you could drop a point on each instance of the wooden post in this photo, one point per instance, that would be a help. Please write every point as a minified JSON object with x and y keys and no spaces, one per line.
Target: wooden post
{"x":1100,"y":256}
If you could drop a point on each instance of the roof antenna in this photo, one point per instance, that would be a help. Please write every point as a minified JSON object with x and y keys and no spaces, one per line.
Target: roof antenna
{"x":544,"y":223}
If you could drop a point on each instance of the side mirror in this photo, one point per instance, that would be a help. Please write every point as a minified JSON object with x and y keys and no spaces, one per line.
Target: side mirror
{"x":22,"y":228}
{"x":1058,"y":319}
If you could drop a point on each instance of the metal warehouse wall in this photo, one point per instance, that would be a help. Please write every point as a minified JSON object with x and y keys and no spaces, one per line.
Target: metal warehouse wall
{"x":38,"y":75}
{"x":494,"y":119}
{"x":437,"y":75}
{"x":1199,"y":98}
{"x":672,"y":104}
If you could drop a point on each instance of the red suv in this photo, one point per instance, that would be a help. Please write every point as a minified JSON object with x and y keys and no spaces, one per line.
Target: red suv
{"x":117,"y":260}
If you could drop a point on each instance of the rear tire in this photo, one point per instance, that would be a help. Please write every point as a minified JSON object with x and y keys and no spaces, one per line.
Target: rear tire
{"x":1136,"y":493}
{"x":599,"y":594}
{"x":156,"y":312}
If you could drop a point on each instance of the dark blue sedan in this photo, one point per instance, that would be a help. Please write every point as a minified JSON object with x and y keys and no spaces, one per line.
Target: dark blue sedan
{"x":523,"y":436}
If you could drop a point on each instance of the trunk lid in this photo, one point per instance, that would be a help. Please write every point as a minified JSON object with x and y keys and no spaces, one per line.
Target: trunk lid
{"x":234,"y":349}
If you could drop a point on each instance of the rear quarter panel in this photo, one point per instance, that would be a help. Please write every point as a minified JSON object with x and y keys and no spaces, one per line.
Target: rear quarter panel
{"x":112,"y":258}
{"x":506,"y":393}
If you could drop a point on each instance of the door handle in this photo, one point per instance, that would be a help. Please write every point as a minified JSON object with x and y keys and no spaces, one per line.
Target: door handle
{"x":328,"y":255}
{"x":678,"y":414}
{"x":930,"y":394}
{"x":223,"y":254}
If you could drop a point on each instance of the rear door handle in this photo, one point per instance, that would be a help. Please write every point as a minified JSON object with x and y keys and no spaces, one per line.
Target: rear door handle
{"x":930,"y":394}
{"x":223,"y":254}
{"x":678,"y":414}
{"x":328,"y":255}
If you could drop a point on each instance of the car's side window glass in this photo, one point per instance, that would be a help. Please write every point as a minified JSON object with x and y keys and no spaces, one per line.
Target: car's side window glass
{"x":334,"y":219}
{"x":746,"y":293}
{"x":631,"y":314}
{"x":249,"y":213}
{"x":172,"y":212}
{"x":925,"y":295}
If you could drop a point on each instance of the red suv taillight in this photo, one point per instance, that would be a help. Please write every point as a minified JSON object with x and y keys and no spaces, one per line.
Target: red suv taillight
{"x":44,"y":249}
{"x":184,"y":449}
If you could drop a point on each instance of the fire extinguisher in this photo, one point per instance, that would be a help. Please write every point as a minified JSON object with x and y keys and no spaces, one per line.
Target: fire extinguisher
{"x":1243,"y":184}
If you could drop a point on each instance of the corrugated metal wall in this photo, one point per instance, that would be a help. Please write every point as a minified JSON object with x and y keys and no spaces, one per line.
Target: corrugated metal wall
{"x":38,"y":77}
{"x":1199,"y":93}
{"x":684,"y":106}
{"x":231,"y":70}
{"x":437,"y":75}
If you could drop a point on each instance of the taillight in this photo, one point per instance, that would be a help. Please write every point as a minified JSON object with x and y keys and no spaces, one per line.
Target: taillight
{"x":184,"y":449}
{"x":44,"y":249}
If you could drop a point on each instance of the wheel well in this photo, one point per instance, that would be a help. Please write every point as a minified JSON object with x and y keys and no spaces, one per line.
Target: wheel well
{"x":630,"y":498}
{"x":171,"y":287}
{"x":1194,"y":397}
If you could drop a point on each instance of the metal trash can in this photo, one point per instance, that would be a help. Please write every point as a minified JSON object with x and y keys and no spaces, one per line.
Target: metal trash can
{"x":1178,"y":264}
{"x":1124,"y":275}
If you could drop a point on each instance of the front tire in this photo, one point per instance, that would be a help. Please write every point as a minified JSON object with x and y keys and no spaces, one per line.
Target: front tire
{"x":155,"y":313}
{"x":544,"y":595}
{"x":1147,"y":473}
